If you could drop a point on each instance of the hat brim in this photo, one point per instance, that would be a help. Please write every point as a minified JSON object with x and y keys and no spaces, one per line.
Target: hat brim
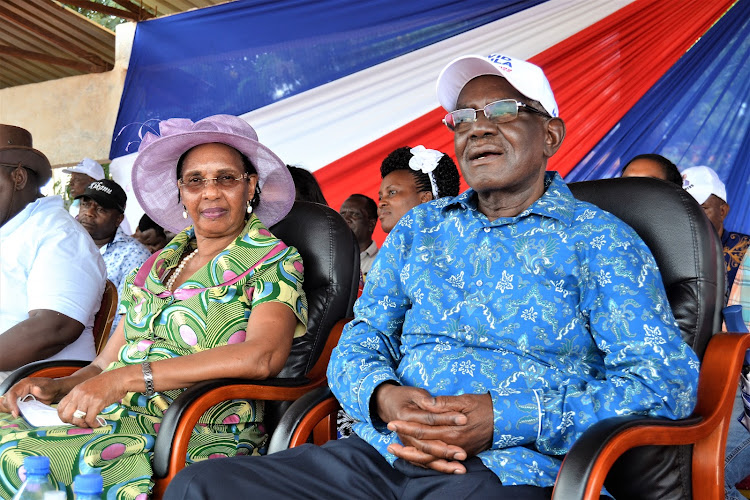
{"x":29,"y":158}
{"x":154,"y":177}
{"x":101,"y":199}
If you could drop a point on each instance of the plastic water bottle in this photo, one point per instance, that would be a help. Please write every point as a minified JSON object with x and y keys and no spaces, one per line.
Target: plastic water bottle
{"x":55,"y":495}
{"x":37,"y":479}
{"x":88,"y":487}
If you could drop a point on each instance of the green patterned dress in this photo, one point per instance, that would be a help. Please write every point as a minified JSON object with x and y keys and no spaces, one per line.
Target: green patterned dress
{"x":211,"y":309}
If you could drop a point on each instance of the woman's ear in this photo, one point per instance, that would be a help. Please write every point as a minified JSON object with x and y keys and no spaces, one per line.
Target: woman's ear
{"x":425,"y":196}
{"x":554,"y":136}
{"x":252,"y":183}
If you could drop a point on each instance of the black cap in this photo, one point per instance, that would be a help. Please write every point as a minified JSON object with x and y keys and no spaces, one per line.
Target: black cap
{"x":106,"y":193}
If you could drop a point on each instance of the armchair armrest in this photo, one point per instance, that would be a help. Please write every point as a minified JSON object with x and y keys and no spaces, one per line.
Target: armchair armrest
{"x":53,"y":369}
{"x":183,"y":414}
{"x":302,"y":419}
{"x":588,"y":462}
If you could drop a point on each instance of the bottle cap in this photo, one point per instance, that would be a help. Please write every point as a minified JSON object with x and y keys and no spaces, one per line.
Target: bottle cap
{"x":88,"y":484}
{"x":36,"y":465}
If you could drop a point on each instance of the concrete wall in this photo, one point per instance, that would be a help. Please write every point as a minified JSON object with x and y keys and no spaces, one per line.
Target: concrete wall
{"x":73,"y":117}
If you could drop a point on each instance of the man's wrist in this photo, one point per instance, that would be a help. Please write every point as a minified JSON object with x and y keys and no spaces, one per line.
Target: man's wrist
{"x":378,"y":399}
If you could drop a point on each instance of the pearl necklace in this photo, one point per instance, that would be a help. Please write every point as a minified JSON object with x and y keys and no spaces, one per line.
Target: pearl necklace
{"x":179,"y":269}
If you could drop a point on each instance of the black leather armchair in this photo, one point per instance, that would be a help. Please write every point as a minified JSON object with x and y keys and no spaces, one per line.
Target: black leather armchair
{"x":635,"y":457}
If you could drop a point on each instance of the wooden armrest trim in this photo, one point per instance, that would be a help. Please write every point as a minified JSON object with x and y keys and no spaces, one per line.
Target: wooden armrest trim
{"x":716,"y":390}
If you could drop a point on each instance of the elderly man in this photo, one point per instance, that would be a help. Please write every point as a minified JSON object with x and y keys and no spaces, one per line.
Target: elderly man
{"x":494,"y":328}
{"x":51,"y":275}
{"x":361,"y":214}
{"x":81,"y":175}
{"x":704,"y":184}
{"x":102,"y":208}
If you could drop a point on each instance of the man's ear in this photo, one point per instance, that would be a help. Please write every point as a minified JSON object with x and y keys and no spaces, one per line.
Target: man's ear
{"x":119,"y":219}
{"x":371,"y":225}
{"x":20,"y":178}
{"x":554,"y":136}
{"x":425,"y":196}
{"x":724,"y":210}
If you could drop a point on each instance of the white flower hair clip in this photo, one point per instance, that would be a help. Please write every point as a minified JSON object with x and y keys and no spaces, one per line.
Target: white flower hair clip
{"x":426,"y":160}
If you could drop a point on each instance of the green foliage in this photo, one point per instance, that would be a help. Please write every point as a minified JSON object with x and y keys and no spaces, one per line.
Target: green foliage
{"x":105,"y":20}
{"x":62,"y":189}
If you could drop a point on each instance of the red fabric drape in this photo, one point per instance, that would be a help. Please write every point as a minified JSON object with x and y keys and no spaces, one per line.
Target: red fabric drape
{"x":597,"y":75}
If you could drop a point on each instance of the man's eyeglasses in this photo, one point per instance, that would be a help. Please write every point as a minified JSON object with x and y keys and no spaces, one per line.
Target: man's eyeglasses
{"x":501,"y":111}
{"x":196,"y":183}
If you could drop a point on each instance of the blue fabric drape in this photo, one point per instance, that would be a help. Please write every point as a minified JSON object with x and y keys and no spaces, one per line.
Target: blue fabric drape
{"x":696,"y":114}
{"x":240,"y":56}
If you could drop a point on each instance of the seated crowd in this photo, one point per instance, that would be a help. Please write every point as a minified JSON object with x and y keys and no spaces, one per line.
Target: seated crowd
{"x":478,"y":352}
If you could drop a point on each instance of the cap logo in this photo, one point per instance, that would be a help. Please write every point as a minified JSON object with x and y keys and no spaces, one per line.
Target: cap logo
{"x":501,"y":60}
{"x":98,"y":186}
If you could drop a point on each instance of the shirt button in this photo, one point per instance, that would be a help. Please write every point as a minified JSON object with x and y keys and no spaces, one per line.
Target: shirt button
{"x":486,"y":230}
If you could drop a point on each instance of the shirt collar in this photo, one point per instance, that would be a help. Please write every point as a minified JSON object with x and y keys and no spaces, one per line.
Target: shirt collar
{"x":17,"y":220}
{"x":119,"y":236}
{"x":557,"y":202}
{"x":371,"y":250}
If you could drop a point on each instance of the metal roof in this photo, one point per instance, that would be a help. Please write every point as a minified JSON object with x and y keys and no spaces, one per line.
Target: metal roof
{"x":43,"y":40}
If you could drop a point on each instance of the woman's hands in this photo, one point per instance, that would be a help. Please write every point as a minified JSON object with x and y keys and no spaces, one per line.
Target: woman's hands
{"x":46,"y":390}
{"x":89,"y":390}
{"x":91,"y":396}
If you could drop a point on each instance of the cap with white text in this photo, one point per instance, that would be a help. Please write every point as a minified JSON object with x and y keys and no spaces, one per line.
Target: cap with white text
{"x":106,"y":193}
{"x":525,"y":77}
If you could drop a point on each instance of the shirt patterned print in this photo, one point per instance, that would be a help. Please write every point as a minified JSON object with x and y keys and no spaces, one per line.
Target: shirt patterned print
{"x":735,"y":246}
{"x":558,"y":313}
{"x":741,"y":289}
{"x":123,"y":254}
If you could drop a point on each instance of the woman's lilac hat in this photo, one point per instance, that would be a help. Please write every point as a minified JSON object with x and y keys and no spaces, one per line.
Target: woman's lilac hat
{"x":154,"y":171}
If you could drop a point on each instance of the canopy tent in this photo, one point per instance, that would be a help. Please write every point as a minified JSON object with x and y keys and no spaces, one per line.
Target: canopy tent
{"x":337,"y":85}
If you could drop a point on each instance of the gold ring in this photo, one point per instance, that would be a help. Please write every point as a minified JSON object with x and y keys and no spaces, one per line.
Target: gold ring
{"x":79,"y":414}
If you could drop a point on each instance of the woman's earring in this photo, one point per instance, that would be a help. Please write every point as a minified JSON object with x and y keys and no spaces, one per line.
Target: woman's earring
{"x":184,"y":212}
{"x":249,"y":207}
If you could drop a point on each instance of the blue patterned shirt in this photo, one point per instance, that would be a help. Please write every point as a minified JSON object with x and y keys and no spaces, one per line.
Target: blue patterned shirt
{"x":121,"y":255}
{"x":558,"y":313}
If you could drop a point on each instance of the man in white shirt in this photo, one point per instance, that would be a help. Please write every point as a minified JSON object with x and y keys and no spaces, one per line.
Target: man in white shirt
{"x":51,"y":273}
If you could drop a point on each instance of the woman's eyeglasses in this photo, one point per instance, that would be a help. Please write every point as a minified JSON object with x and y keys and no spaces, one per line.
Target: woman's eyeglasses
{"x":196,"y":183}
{"x":501,"y":111}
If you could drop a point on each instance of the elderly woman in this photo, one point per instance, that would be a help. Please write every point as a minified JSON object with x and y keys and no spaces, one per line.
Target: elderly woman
{"x":412,"y":176}
{"x":223,"y":299}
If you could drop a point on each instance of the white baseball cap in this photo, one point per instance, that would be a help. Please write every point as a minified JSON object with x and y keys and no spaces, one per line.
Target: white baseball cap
{"x":88,"y":167}
{"x":702,"y":182}
{"x":526,"y":77}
